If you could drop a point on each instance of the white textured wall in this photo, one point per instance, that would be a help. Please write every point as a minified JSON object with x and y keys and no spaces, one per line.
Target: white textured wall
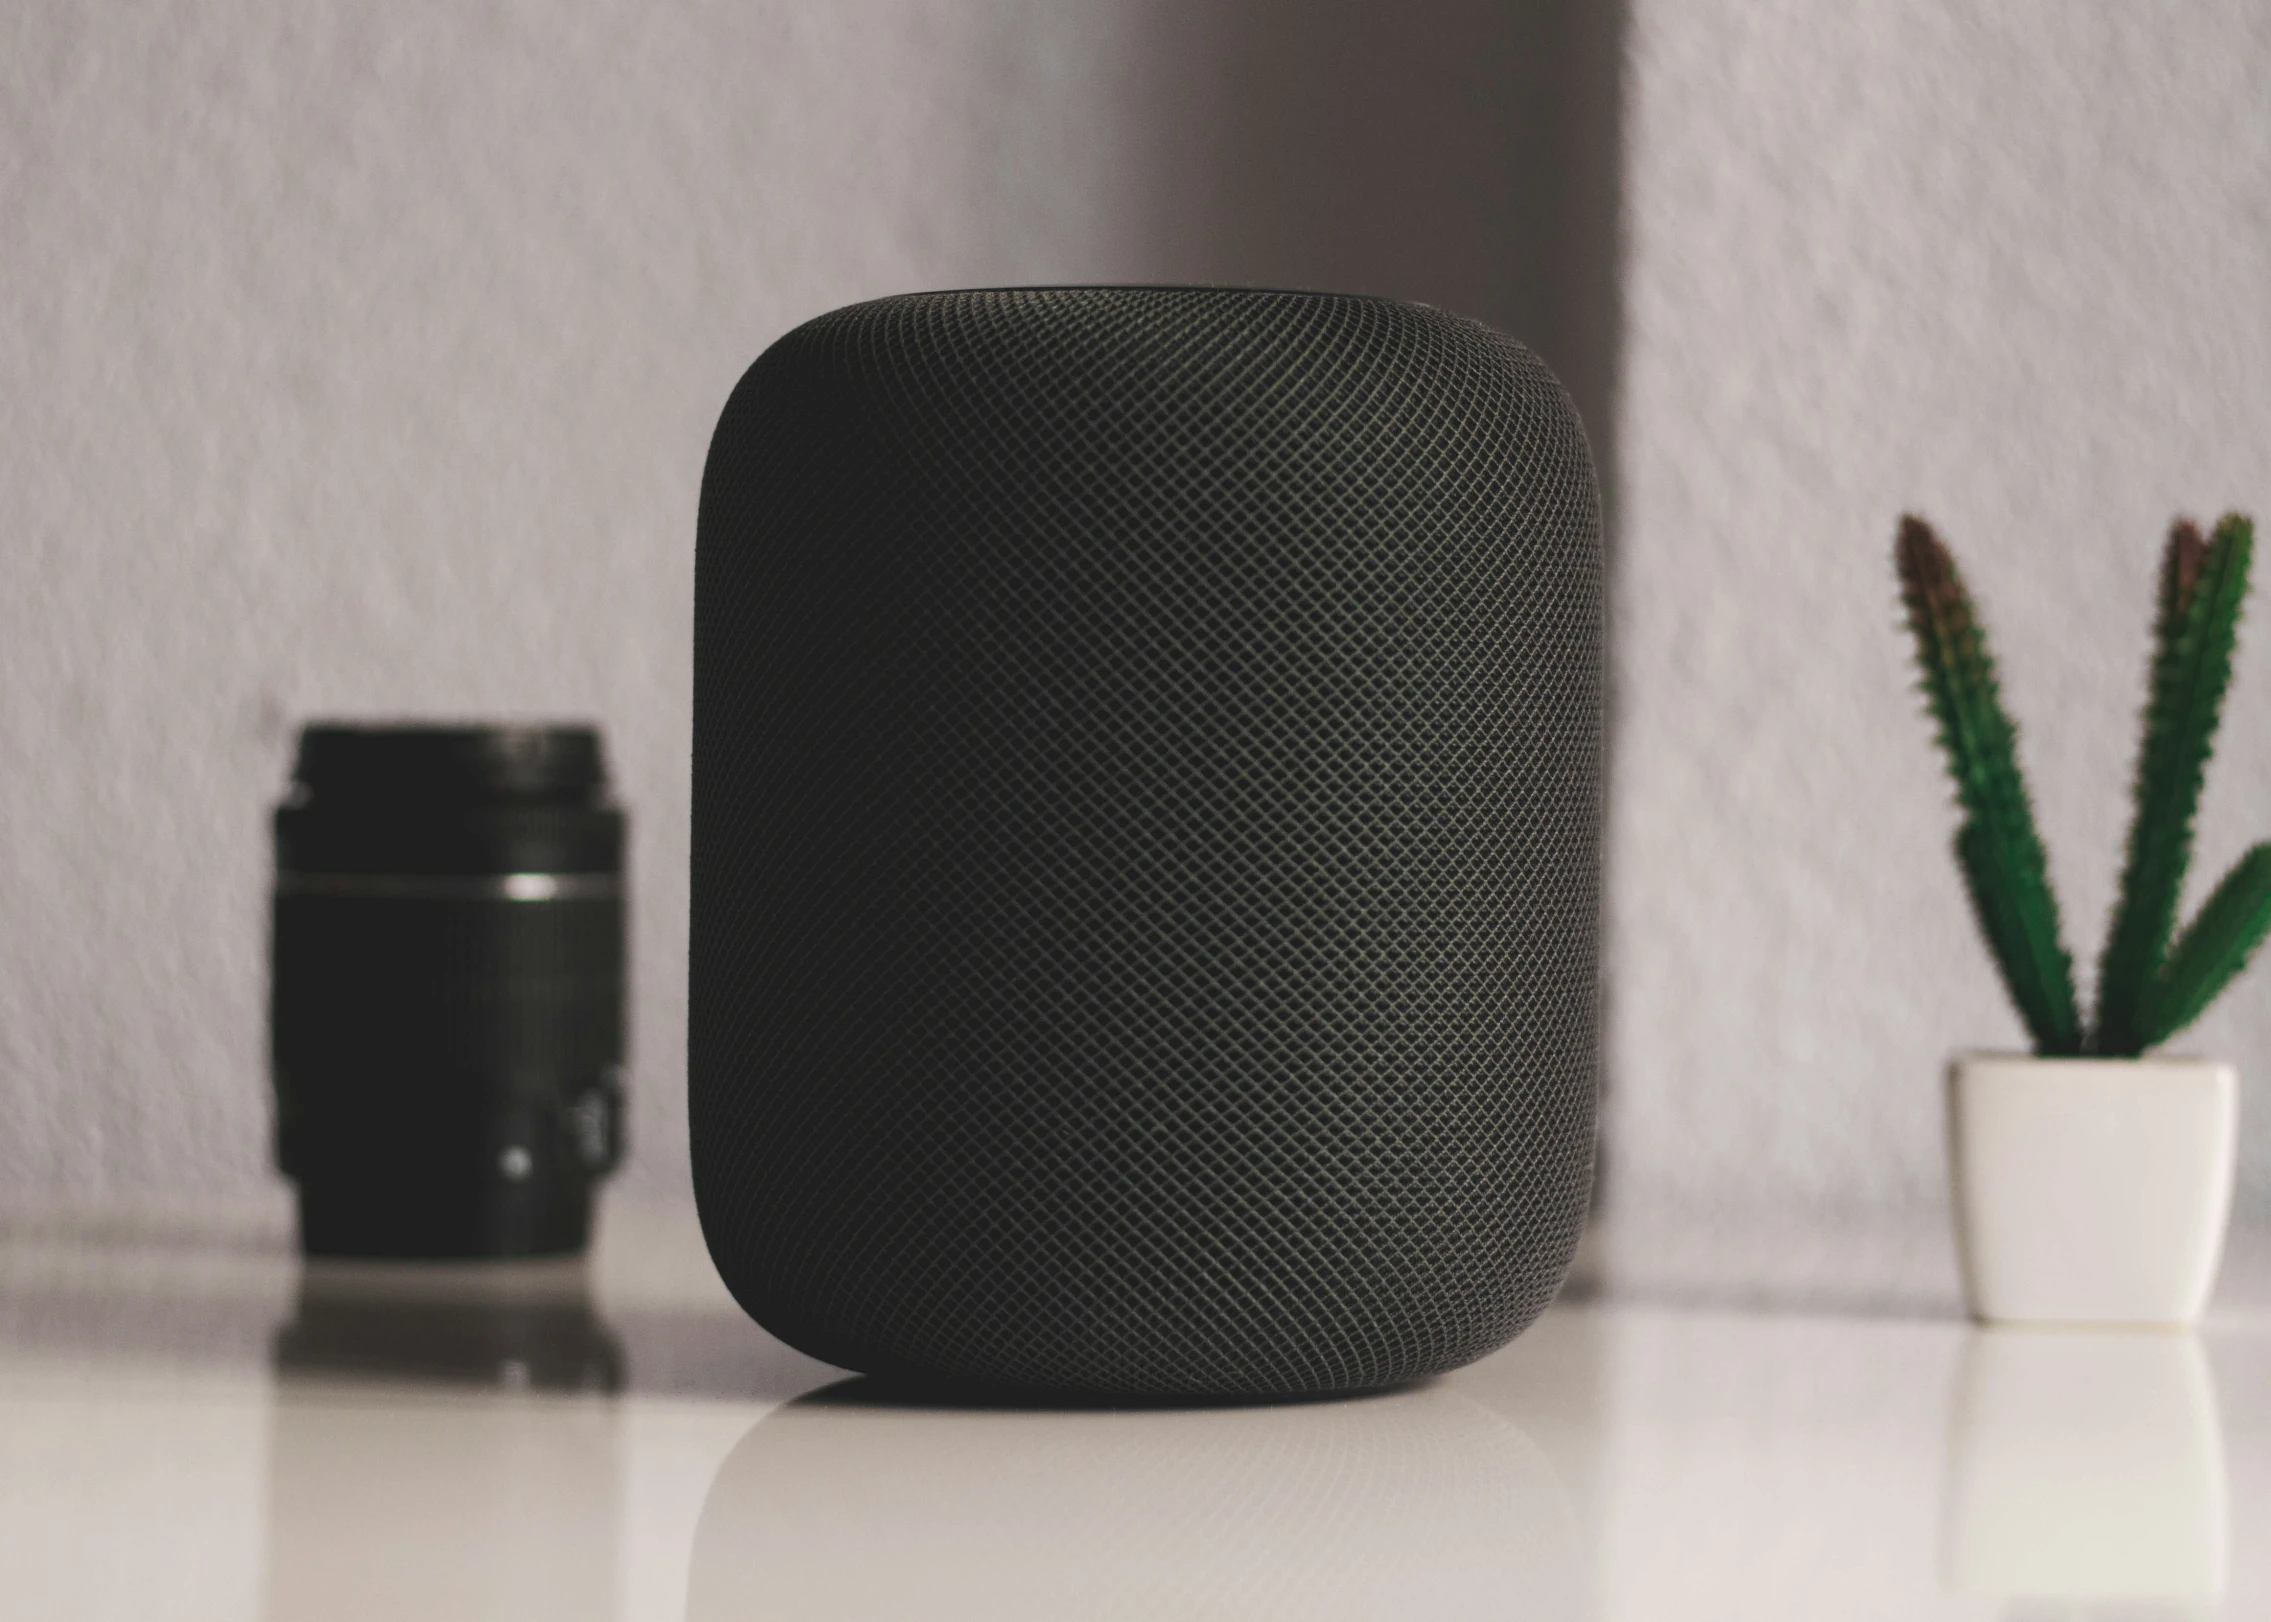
{"x":361,"y":359}
{"x":2008,"y":264}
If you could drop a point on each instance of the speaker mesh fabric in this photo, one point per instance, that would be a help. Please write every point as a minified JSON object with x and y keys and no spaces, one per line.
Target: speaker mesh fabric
{"x":1146,"y":840}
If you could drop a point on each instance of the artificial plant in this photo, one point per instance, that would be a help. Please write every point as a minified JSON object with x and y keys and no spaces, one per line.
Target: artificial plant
{"x":2152,"y":980}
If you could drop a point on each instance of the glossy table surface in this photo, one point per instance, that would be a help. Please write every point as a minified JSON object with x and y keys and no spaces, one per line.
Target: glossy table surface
{"x":194,"y":1426}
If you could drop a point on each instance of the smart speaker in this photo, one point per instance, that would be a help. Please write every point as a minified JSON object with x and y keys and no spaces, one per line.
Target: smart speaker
{"x":1146,"y":840}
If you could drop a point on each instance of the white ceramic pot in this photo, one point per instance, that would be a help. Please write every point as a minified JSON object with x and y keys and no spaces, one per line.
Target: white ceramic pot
{"x":2091,"y":1191}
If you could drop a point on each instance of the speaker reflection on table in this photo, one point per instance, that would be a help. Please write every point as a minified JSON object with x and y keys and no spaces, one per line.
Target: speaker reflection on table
{"x":1145,"y":840}
{"x":1418,"y":1505}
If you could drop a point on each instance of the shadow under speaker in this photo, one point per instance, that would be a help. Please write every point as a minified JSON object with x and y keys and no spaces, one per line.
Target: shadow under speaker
{"x":1146,"y":840}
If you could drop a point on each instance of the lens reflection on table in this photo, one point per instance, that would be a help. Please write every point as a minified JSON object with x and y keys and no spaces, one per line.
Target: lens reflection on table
{"x":1416,"y":1505}
{"x":2086,"y":1471}
{"x":522,"y":1325}
{"x":496,"y":1492}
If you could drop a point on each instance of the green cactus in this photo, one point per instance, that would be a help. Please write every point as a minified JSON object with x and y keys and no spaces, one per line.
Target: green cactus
{"x":2208,"y":955}
{"x":2202,"y":584}
{"x":2148,"y":988}
{"x":1997,"y":847}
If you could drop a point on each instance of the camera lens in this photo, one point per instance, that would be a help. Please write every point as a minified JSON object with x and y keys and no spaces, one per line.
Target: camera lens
{"x":446,"y":996}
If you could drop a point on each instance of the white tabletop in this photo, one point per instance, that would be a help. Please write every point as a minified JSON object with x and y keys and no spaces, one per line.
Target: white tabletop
{"x":193,"y":1427}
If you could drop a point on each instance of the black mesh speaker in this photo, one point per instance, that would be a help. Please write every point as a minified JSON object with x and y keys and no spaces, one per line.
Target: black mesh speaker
{"x":1146,"y":847}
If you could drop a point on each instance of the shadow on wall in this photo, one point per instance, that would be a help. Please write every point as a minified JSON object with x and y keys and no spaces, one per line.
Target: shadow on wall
{"x":1463,"y":153}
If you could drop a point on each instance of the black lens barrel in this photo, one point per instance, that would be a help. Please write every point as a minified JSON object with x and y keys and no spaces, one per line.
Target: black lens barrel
{"x":447,"y":990}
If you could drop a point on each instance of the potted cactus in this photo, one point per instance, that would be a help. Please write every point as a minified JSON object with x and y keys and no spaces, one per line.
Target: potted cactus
{"x":2093,"y":1177}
